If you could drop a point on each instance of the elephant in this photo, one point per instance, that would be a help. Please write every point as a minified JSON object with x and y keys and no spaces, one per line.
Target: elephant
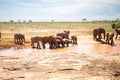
{"x":19,"y":38}
{"x":37,"y":40}
{"x":109,"y":38}
{"x":51,"y":40}
{"x":67,"y":42}
{"x":74,"y":39}
{"x":97,"y":33}
{"x":64,"y":34}
{"x":118,"y":33}
{"x":60,"y":42}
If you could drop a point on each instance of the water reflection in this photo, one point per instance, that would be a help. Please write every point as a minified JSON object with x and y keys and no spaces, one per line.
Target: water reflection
{"x":87,"y":48}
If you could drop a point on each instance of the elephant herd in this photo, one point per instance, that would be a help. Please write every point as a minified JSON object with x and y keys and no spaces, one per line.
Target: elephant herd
{"x":60,"y":40}
{"x":100,"y":33}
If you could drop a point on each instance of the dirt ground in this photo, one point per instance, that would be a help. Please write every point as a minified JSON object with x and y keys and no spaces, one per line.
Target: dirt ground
{"x":68,"y":65}
{"x":60,"y":66}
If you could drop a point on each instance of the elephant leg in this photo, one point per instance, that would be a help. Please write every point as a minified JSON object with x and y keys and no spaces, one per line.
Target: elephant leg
{"x":63,"y":45}
{"x":112,"y":42}
{"x":18,"y":41}
{"x":67,"y":44}
{"x":51,"y":46}
{"x":104,"y":35}
{"x":74,"y":42}
{"x":59,"y":45}
{"x":21,"y":42}
{"x":108,"y":41}
{"x":32,"y":45}
{"x":38,"y":46}
{"x":116,"y":36}
{"x":55,"y":45}
{"x":43,"y":45}
{"x":99,"y":36}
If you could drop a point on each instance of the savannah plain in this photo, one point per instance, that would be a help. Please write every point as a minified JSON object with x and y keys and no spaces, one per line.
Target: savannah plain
{"x":89,"y":60}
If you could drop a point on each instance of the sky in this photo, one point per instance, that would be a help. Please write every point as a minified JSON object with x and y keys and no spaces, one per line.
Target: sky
{"x":59,"y":10}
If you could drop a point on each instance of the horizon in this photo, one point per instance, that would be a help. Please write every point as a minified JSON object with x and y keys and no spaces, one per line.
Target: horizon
{"x":59,"y":10}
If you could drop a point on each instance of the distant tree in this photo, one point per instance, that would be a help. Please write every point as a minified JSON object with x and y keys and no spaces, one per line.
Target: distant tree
{"x":24,"y":21}
{"x":116,"y":25}
{"x":52,"y":20}
{"x":11,"y":21}
{"x":84,"y":19}
{"x":19,"y":20}
{"x":30,"y":21}
{"x":117,"y":19}
{"x":113,"y":26}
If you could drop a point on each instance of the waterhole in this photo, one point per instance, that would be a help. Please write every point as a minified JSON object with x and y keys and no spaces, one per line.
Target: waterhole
{"x":83,"y":48}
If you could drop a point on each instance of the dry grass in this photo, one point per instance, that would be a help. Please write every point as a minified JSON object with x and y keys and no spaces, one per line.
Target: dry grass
{"x":54,"y":25}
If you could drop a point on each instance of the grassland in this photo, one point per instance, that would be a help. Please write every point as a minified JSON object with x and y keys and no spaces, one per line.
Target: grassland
{"x":54,"y":25}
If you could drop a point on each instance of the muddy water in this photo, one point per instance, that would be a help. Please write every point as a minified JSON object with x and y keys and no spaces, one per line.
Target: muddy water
{"x":83,"y":48}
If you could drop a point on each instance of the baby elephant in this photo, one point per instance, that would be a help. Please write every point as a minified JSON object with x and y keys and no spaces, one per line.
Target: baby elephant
{"x":109,"y":38}
{"x":74,"y":39}
{"x":67,"y":42}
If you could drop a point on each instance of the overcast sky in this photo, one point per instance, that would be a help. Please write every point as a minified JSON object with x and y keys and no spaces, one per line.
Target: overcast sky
{"x":59,"y":10}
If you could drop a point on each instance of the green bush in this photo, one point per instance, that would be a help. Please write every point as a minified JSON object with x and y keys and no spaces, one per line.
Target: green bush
{"x":116,"y":25}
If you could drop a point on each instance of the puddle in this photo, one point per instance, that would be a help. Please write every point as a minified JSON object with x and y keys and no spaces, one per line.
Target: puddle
{"x":83,"y":48}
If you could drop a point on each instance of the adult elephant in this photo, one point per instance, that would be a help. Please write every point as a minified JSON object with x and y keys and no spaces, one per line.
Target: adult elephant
{"x":19,"y":38}
{"x":74,"y":39}
{"x":51,"y":40}
{"x":64,"y":34}
{"x":37,"y":40}
{"x":97,"y":33}
{"x":109,"y":38}
{"x":117,"y":33}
